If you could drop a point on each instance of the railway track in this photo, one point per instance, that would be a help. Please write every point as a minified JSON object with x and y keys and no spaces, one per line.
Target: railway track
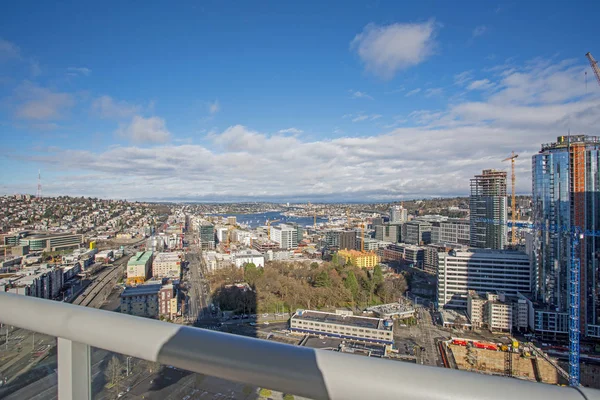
{"x":86,"y":299}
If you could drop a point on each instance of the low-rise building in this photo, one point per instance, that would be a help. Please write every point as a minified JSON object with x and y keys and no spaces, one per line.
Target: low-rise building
{"x":250,"y":256}
{"x":167,"y":265}
{"x":366,"y":329}
{"x":359,"y":258}
{"x":141,"y":301}
{"x":167,"y":296}
{"x":139,"y":267}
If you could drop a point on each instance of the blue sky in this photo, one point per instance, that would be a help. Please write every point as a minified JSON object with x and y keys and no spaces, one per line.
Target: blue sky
{"x":273,"y":100}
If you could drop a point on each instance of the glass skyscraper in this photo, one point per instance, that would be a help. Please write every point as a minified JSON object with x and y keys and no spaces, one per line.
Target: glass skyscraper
{"x":566,"y":194}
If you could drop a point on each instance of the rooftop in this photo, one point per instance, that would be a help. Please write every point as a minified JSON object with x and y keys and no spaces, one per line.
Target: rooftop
{"x":141,"y":290}
{"x":356,"y":253}
{"x":140,"y":258}
{"x":320,"y":316}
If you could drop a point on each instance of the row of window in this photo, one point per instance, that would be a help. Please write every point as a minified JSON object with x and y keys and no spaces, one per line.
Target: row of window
{"x":336,"y":328}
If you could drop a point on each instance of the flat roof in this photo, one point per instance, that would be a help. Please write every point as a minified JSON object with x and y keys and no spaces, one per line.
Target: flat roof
{"x":319,"y":316}
{"x":140,"y":258}
{"x":141,"y":290}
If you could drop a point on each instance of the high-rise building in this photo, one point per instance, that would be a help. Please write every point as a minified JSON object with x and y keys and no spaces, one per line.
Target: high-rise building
{"x":286,"y":236}
{"x":566,"y":194}
{"x":398,"y":214}
{"x":482,"y":270}
{"x":488,"y":210}
{"x":206,"y":233}
{"x":348,"y":240}
{"x":388,"y":232}
{"x":416,"y":232}
{"x":451,"y":231}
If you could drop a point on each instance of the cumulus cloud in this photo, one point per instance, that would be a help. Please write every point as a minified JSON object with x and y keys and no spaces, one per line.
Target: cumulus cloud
{"x":440,"y":152}
{"x":107,"y":107}
{"x":294,"y":131}
{"x":145,"y":130}
{"x":214,"y":107}
{"x":387,"y":49}
{"x":33,"y":102}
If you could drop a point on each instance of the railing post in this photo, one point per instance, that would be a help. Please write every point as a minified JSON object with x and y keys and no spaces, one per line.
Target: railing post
{"x":74,"y":378}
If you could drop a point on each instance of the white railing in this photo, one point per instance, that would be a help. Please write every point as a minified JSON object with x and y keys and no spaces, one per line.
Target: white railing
{"x":303,"y":371}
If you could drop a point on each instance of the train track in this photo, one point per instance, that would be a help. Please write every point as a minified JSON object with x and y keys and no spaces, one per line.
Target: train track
{"x":444,"y":355}
{"x":85,"y":299}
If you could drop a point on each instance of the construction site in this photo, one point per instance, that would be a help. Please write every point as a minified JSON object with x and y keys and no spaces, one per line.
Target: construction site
{"x":517,"y":360}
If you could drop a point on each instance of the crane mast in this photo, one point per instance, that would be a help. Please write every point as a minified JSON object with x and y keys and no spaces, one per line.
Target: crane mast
{"x":513,"y":207}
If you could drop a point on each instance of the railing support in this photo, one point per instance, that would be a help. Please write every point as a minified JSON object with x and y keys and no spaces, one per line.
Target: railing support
{"x":74,"y":378}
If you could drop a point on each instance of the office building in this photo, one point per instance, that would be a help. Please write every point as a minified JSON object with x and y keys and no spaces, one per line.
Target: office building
{"x":488,"y":210}
{"x":388,"y":232}
{"x":416,"y":232}
{"x":206,"y":235}
{"x":332,"y":238}
{"x":566,"y":194}
{"x":167,"y":265}
{"x":286,"y":236}
{"x":366,"y":329}
{"x":482,"y":270}
{"x":139,"y":267}
{"x":141,"y":301}
{"x":250,"y":256}
{"x":431,"y":255}
{"x":398,"y":214}
{"x":347,"y":240}
{"x":45,"y":241}
{"x":376,"y":221}
{"x":451,"y":231}
{"x":360,"y":259}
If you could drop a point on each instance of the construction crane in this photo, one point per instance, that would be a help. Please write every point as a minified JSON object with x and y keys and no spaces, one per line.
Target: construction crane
{"x":594,"y":65}
{"x":512,"y":159}
{"x":269,"y":226}
{"x":576,"y":234}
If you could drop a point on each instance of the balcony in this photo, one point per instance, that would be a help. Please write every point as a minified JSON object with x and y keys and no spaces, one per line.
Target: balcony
{"x":316,"y":374}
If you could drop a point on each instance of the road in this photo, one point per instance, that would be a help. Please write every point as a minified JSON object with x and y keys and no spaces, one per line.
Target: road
{"x":199,"y":298}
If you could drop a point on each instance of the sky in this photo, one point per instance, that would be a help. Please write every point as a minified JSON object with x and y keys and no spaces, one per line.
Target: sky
{"x":287,"y":101}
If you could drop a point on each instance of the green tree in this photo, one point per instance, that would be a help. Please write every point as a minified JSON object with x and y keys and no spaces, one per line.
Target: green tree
{"x":352,"y":284}
{"x":251,"y":273}
{"x":335,"y":259}
{"x":314,"y":265}
{"x":377,"y":275}
{"x":322,"y":279}
{"x":265,"y":392}
{"x":288,"y":396}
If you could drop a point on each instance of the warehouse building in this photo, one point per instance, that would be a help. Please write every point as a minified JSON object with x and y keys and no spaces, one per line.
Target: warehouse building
{"x":139,"y":267}
{"x":366,"y":329}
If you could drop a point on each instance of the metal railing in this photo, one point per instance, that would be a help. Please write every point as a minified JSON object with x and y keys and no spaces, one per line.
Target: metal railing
{"x":298,"y":370}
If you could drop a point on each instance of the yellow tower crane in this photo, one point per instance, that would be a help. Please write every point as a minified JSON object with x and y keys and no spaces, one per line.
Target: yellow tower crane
{"x":269,"y":226}
{"x":512,"y":159}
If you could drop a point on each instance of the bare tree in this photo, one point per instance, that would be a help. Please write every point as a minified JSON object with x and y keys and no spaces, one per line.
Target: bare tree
{"x":113,"y":371}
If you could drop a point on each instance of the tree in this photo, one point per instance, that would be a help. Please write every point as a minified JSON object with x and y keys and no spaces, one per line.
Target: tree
{"x":265,"y":392}
{"x":377,"y":275}
{"x":288,"y":396}
{"x":335,"y":259}
{"x":114,"y":370}
{"x":251,"y":273}
{"x":352,"y":284}
{"x":322,"y":279}
{"x":314,"y":265}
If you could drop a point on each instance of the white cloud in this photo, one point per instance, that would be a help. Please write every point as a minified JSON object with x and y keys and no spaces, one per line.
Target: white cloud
{"x":479,"y":30}
{"x":375,"y":116}
{"x":294,"y":131}
{"x":360,"y":95}
{"x":78,"y":71}
{"x":387,"y":49}
{"x":214,"y":107}
{"x":145,"y":130}
{"x":107,"y":107}
{"x":531,"y":105}
{"x":360,"y":118}
{"x":412,"y":92}
{"x":34,"y":102}
{"x":481,"y":84}
{"x":9,"y":50}
{"x":433,"y":92}
{"x":462,"y":78}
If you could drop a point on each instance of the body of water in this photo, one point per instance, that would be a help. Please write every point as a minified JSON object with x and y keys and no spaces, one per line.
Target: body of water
{"x":255,"y":220}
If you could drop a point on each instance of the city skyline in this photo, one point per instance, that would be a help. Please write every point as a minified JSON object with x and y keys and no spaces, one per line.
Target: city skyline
{"x":386,"y":102}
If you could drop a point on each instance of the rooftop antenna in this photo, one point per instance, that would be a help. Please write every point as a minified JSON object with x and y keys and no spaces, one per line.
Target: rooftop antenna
{"x":39,"y":187}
